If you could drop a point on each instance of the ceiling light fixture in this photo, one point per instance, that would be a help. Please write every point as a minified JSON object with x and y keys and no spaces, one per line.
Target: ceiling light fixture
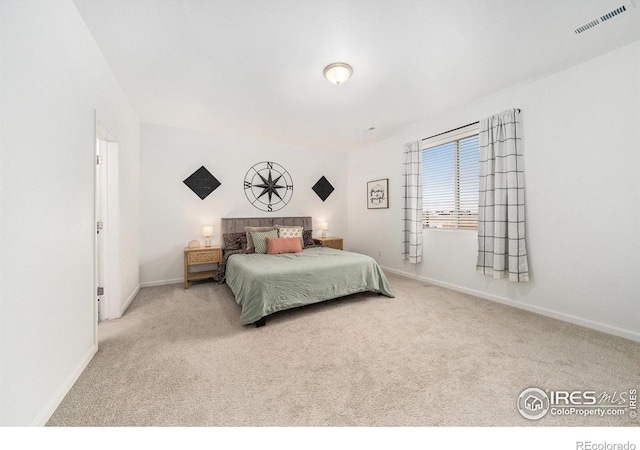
{"x":338,"y":73}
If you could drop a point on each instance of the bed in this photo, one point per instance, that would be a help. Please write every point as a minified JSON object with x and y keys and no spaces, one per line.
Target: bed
{"x":267,"y":283}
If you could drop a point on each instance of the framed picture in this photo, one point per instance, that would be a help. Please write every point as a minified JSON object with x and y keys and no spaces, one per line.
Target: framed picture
{"x":378,"y":194}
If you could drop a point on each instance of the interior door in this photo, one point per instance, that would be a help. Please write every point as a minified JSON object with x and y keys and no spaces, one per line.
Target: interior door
{"x":102,"y":265}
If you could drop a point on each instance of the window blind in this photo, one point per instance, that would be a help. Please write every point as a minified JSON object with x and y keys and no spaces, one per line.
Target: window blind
{"x":450,"y":174}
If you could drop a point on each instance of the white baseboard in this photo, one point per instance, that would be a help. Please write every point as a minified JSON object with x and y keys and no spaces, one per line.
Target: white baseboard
{"x":161,"y":282}
{"x":130,"y":299}
{"x":620,"y":332}
{"x":42,"y":418}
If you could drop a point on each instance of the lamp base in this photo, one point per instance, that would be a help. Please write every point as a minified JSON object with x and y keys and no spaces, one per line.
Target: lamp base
{"x":207,"y":242}
{"x":324,"y":234}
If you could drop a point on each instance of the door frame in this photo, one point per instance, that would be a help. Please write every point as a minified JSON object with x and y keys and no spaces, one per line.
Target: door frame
{"x":106,"y":209}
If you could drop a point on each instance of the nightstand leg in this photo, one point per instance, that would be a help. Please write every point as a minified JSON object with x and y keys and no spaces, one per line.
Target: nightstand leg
{"x":186,"y":271}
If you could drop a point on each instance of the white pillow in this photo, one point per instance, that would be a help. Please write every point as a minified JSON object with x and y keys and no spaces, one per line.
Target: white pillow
{"x":290,"y":232}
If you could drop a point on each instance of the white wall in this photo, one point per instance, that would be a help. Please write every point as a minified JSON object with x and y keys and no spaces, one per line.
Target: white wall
{"x":53,"y":77}
{"x":172,"y":215}
{"x":582,"y":141}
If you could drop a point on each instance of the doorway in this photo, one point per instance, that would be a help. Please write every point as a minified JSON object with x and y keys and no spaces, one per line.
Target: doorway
{"x":107,"y":286}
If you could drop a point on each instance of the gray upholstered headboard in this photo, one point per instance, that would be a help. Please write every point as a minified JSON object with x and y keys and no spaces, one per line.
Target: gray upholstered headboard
{"x":236,"y":225}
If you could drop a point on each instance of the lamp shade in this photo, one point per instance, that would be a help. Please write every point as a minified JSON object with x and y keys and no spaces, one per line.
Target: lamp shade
{"x":207,"y":231}
{"x":338,"y":73}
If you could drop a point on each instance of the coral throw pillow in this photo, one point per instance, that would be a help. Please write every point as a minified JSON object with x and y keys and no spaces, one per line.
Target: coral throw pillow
{"x":275,"y":246}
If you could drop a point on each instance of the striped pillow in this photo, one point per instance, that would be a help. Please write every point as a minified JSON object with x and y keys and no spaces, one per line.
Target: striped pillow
{"x":259,"y":239}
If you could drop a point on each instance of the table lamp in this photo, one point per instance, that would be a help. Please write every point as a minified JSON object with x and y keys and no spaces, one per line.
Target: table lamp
{"x":207,"y":232}
{"x":323,"y":227}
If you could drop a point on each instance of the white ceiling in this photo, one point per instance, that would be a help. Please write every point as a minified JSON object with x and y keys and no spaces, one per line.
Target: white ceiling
{"x":254,"y":67}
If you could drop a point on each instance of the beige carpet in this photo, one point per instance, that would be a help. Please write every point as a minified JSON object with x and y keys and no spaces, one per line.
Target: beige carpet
{"x":429,"y":357}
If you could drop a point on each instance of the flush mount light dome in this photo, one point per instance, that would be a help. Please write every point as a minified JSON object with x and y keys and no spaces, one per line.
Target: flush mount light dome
{"x":338,"y":73}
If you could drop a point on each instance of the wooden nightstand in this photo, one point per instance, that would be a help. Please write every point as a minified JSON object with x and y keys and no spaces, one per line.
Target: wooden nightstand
{"x":197,"y":256}
{"x":333,"y":242}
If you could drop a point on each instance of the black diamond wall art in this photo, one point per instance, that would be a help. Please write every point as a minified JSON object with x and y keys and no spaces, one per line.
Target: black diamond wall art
{"x":323,"y":188}
{"x":202,"y":182}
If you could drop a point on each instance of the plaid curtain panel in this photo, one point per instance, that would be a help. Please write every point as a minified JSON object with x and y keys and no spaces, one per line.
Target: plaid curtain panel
{"x":412,"y":198}
{"x":501,"y":224}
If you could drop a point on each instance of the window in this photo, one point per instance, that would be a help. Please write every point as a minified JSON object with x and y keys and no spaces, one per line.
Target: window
{"x":450,"y":172}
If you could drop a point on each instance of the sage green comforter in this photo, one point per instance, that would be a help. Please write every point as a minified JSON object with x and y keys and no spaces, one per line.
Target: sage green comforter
{"x":264,"y":284}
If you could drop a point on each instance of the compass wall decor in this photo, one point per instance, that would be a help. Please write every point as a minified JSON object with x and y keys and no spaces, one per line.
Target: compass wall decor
{"x":268,"y":186}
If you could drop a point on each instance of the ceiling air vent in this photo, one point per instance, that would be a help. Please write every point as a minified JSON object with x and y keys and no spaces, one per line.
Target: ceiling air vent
{"x":603,"y":18}
{"x":586,"y":26}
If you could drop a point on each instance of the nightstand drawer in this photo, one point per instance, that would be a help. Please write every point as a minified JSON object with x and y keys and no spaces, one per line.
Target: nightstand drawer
{"x":203,"y":257}
{"x":331,"y":242}
{"x":337,"y":244}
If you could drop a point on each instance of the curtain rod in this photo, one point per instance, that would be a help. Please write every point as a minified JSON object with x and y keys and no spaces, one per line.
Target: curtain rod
{"x":456,"y":129}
